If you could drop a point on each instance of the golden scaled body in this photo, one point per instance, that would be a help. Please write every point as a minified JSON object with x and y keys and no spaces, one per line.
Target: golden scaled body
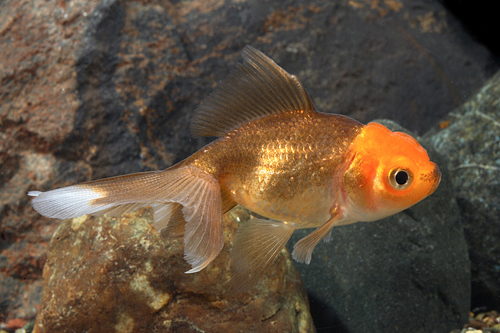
{"x":283,"y":166}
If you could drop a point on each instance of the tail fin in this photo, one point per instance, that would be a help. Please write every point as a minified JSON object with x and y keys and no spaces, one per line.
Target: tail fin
{"x":187,"y":189}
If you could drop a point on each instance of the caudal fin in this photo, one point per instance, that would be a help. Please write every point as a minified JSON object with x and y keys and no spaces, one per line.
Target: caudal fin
{"x":180,"y":197}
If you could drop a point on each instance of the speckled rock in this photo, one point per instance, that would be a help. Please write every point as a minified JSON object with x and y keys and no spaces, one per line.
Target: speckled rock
{"x":91,"y":89}
{"x":118,"y":275}
{"x":407,"y":273}
{"x":38,"y":98}
{"x":471,"y":144}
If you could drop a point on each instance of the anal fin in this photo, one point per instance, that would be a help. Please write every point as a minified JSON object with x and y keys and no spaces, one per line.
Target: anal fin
{"x":256,"y":246}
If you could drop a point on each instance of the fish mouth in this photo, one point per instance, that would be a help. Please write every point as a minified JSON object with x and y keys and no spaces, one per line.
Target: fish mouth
{"x":433,"y":176}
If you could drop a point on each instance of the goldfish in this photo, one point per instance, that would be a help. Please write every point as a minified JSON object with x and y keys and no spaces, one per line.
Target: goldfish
{"x":275,"y":155}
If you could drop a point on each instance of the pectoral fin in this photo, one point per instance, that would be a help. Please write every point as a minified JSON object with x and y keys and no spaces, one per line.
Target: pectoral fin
{"x":303,"y":249}
{"x":256,"y":246}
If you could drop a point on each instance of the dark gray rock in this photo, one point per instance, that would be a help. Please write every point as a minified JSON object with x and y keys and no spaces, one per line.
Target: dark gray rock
{"x":406,"y":273}
{"x":471,"y":144}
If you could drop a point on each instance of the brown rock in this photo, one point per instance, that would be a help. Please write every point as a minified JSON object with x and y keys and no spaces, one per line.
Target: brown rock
{"x":39,"y":42}
{"x":490,"y":321}
{"x":118,"y":275}
{"x":475,"y":324}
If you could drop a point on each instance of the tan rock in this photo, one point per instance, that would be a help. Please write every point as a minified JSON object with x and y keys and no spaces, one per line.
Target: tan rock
{"x":118,"y":275}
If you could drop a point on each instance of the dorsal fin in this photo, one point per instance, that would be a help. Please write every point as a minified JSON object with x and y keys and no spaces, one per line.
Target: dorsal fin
{"x":255,"y":88}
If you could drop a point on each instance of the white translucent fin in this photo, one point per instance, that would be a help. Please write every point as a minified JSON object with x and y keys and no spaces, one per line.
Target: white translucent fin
{"x":169,"y":219}
{"x":303,"y":249}
{"x":202,"y":209}
{"x":113,"y":196}
{"x":257,"y":87}
{"x":120,"y":210}
{"x":257,"y":244}
{"x":176,"y":225}
{"x":196,"y":191}
{"x":68,"y":202}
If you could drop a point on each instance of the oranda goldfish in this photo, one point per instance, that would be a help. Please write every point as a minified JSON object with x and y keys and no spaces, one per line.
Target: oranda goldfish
{"x":275,"y":155}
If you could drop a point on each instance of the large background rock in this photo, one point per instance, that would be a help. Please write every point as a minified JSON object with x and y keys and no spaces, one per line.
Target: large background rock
{"x":93,"y":89}
{"x":471,"y":144}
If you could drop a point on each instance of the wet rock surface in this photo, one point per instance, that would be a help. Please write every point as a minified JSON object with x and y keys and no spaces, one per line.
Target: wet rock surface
{"x":95,"y":89}
{"x":410,"y":271}
{"x":118,"y":275}
{"x":471,"y":144}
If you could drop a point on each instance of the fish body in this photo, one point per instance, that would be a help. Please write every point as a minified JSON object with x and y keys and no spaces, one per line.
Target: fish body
{"x":282,"y":166}
{"x":277,"y":156}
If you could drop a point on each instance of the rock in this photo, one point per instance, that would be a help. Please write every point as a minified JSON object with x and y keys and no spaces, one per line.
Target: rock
{"x":409,"y":272}
{"x":471,"y":144}
{"x":95,"y":89}
{"x":38,"y":99}
{"x":118,"y":275}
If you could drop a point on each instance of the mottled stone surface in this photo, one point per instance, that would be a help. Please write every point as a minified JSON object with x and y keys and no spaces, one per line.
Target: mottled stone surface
{"x":471,"y":144}
{"x":38,"y":99}
{"x":407,"y":273}
{"x":91,"y":89}
{"x":118,"y":275}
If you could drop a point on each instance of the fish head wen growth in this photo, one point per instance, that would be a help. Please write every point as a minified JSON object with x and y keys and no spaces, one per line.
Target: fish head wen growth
{"x":389,"y":172}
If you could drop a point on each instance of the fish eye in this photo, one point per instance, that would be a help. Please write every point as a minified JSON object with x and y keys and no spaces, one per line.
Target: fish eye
{"x":400,"y":179}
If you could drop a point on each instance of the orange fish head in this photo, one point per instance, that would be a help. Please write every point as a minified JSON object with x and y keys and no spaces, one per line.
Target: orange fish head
{"x":389,"y":172}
